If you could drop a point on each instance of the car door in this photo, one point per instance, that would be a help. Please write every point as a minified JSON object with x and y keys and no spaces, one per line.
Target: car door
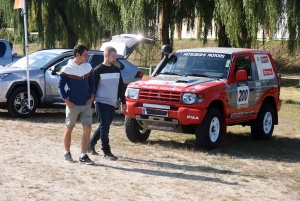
{"x":51,"y":80}
{"x":242,"y":97}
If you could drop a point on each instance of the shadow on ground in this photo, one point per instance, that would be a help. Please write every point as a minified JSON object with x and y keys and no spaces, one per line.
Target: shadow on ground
{"x":243,"y":146}
{"x":161,"y":173}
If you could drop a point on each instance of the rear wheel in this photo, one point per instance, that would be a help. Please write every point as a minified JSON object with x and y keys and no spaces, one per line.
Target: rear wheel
{"x":18,"y":103}
{"x":134,"y":132}
{"x":208,"y":133}
{"x":262,"y":127}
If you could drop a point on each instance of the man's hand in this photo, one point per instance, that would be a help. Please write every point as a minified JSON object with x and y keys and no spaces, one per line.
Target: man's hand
{"x":69,"y":103}
{"x":124,"y":107}
{"x":90,"y":100}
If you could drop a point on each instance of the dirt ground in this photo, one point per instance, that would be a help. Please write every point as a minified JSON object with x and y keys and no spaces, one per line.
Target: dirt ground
{"x":32,"y":168}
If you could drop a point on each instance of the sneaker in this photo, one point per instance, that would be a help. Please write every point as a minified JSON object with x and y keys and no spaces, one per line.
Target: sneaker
{"x":68,"y":157}
{"x":92,"y":150}
{"x":86,"y":160}
{"x":110,"y":156}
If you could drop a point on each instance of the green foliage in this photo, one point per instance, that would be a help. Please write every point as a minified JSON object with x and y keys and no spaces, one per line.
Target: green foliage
{"x":65,"y":23}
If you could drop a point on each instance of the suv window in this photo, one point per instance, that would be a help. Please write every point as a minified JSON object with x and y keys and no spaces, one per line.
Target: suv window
{"x":2,"y":49}
{"x":243,"y":63}
{"x":96,"y":60}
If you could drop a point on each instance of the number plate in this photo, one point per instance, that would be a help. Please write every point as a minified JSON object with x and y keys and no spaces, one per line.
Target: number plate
{"x":148,"y":111}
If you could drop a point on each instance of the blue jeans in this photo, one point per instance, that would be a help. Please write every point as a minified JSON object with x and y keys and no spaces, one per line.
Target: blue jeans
{"x":105,"y":114}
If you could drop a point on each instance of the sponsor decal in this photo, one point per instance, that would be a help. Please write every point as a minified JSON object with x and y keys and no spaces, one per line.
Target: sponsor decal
{"x":242,"y":94}
{"x":200,"y":87}
{"x":264,"y":59}
{"x":160,"y":88}
{"x":192,"y":117}
{"x":258,"y":83}
{"x":241,"y":114}
{"x":201,"y":54}
{"x":268,"y":71}
{"x":242,"y":106}
{"x":265,"y":82}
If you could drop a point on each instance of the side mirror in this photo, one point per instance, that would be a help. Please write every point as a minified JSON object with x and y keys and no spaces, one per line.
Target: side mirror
{"x":241,"y":75}
{"x":52,"y":69}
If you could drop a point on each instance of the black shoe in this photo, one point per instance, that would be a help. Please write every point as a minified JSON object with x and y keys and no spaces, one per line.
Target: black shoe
{"x":110,"y":156}
{"x":92,"y":150}
{"x":86,"y":160}
{"x":68,"y":157}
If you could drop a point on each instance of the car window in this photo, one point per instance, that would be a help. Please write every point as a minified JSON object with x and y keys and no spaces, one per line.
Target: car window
{"x":2,"y":49}
{"x":119,"y":65}
{"x":243,"y":63}
{"x":64,"y":62}
{"x":96,"y":60}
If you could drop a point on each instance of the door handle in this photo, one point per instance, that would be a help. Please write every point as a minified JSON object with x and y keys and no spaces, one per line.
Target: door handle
{"x":252,"y":89}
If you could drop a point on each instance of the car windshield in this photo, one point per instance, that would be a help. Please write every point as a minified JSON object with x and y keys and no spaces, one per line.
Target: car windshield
{"x":200,"y":64}
{"x":36,"y":60}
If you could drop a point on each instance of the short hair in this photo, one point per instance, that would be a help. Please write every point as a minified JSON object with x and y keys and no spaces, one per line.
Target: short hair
{"x":109,"y":49}
{"x":11,"y":45}
{"x":79,"y":49}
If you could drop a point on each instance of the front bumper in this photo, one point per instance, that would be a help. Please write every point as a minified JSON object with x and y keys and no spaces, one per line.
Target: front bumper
{"x":184,"y":115}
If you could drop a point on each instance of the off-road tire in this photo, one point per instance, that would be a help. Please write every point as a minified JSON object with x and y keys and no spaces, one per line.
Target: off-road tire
{"x":205,"y":136}
{"x":134,"y":132}
{"x":13,"y":109}
{"x":262,"y":127}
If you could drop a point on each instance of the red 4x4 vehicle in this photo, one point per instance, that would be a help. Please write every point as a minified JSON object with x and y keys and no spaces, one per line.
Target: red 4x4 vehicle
{"x":201,"y":91}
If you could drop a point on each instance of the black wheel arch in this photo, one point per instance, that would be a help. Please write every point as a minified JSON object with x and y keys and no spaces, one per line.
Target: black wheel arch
{"x":271,"y":100}
{"x":33,"y":86}
{"x":219,"y":104}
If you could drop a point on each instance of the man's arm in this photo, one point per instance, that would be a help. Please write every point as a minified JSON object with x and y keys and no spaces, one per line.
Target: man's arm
{"x":92,"y":88}
{"x":61,"y":89}
{"x":121,"y":92}
{"x":61,"y":86}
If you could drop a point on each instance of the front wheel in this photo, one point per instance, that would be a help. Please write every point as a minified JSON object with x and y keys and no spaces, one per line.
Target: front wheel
{"x":262,"y":127}
{"x":208,"y":133}
{"x":18,"y":103}
{"x":134,"y":132}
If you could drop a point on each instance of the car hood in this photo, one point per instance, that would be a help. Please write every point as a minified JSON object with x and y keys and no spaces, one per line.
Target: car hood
{"x":177,"y":83}
{"x":11,"y":70}
{"x":125,"y":43}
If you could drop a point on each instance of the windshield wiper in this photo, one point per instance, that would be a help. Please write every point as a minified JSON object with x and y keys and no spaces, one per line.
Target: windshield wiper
{"x":169,"y":73}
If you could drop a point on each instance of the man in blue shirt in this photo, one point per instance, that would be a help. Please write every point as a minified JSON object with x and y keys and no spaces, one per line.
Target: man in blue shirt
{"x":78,"y":75}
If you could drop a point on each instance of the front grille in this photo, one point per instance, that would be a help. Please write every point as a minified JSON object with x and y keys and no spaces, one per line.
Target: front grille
{"x":157,"y":95}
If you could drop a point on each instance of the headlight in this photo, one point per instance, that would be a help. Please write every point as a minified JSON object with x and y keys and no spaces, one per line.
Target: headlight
{"x":188,"y":98}
{"x":132,"y":93}
{"x":4,"y":75}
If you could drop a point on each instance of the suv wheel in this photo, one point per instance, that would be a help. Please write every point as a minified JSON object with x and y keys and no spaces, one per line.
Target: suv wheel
{"x":134,"y":132}
{"x":118,"y":110}
{"x":262,"y":127}
{"x":208,"y":133}
{"x":17,"y":104}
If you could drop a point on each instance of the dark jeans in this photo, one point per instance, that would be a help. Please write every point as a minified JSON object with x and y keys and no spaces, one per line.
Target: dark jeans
{"x":105,"y":114}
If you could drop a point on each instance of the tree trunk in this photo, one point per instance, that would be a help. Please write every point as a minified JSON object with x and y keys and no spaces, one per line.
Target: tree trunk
{"x":72,"y":37}
{"x":165,"y":20}
{"x":223,"y":39}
